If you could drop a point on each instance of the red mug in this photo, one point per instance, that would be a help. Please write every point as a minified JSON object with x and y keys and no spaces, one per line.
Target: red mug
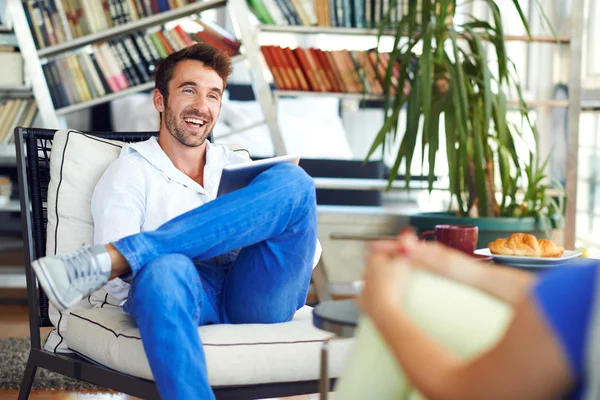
{"x":461,"y":237}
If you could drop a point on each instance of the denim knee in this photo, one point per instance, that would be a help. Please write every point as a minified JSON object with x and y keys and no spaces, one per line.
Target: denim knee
{"x":298,"y":182}
{"x":168,"y":282}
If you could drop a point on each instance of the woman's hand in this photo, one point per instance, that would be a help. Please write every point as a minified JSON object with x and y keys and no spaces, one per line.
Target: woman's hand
{"x":385,"y":279}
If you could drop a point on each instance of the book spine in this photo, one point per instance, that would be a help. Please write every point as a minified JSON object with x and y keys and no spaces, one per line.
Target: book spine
{"x":279,"y":82}
{"x":87,"y":64}
{"x":136,"y":58}
{"x":157,"y":44}
{"x":151,"y":46}
{"x":306,"y":68}
{"x":320,"y":55}
{"x":283,"y":72}
{"x":142,"y":48}
{"x":293,"y":62}
{"x":106,"y":72}
{"x":113,"y":65}
{"x":87,"y":77}
{"x":100,"y":73}
{"x":184,"y":36}
{"x":62,"y":15}
{"x":336,"y":71}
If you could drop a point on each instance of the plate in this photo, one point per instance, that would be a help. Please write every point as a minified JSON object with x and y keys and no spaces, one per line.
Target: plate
{"x":529,"y":262}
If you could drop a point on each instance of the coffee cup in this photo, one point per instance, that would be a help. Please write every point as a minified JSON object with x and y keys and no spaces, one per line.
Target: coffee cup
{"x":460,"y":237}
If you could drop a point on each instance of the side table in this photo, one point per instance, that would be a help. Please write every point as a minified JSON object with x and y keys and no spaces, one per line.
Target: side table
{"x":339,"y":317}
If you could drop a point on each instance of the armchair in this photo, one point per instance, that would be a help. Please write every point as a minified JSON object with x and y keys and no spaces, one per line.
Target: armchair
{"x":57,"y":173}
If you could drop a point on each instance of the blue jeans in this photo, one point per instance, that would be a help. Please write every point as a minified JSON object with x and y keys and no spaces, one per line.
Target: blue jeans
{"x":187,"y":273}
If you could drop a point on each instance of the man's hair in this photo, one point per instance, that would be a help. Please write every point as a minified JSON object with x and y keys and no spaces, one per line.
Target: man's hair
{"x":211,"y":57}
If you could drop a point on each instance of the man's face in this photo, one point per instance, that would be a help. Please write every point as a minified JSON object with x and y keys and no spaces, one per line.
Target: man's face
{"x":194,"y":102}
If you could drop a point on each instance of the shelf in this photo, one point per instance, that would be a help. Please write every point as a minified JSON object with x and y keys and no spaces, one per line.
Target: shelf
{"x":377,"y":97}
{"x":5,"y":29}
{"x":8,"y":154}
{"x":104,"y":99}
{"x":15,"y":91}
{"x":538,"y":39}
{"x":11,"y":206}
{"x":113,"y":96}
{"x":343,"y":96}
{"x":134,"y":26}
{"x":12,"y":277}
{"x":315,"y":30}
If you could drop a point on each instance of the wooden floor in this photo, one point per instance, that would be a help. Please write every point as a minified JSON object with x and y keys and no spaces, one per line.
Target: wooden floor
{"x":15,"y":323}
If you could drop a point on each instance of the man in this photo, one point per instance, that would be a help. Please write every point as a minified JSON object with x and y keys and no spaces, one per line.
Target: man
{"x":160,"y":226}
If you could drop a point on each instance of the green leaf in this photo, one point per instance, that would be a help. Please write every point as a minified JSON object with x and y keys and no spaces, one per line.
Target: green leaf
{"x":522,"y":16}
{"x":412,"y":16}
{"x":380,"y":137}
{"x":460,"y":129}
{"x":434,"y":142}
{"x":498,"y":41}
{"x":479,"y":23}
{"x":452,"y":154}
{"x":426,"y":12}
{"x":413,"y":115}
{"x":479,"y":158}
{"x":546,"y":20}
{"x":504,"y":152}
{"x":486,"y":77}
{"x":426,"y":66}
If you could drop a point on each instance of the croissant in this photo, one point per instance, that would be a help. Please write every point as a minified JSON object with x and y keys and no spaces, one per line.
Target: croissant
{"x":525,"y":245}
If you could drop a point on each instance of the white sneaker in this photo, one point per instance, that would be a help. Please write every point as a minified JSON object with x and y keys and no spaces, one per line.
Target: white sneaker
{"x":68,"y":278}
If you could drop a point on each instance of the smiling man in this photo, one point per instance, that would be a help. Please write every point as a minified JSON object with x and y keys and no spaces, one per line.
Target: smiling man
{"x":191,"y":259}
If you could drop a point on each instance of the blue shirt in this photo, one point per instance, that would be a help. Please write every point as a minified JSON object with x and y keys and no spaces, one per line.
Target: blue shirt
{"x":566,"y":297}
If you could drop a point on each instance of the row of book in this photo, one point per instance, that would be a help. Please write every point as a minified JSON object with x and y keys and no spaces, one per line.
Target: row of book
{"x":329,"y":13}
{"x":58,"y":21}
{"x":13,"y":113}
{"x":311,"y":69}
{"x":115,"y":65}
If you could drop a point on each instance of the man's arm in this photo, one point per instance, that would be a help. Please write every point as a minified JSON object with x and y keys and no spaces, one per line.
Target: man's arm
{"x":507,"y":284}
{"x":118,"y":205}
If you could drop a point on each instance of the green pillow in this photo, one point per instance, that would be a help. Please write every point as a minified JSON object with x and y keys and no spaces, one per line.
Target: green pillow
{"x":465,"y":320}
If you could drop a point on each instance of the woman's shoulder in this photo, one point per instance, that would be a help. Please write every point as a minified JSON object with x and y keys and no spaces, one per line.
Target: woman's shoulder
{"x":566,"y":297}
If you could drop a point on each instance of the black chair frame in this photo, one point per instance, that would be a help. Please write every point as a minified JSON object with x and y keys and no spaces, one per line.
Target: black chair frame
{"x":33,"y":147}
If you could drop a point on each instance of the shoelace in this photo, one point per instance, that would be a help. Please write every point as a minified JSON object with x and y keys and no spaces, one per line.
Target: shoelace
{"x":83,"y":266}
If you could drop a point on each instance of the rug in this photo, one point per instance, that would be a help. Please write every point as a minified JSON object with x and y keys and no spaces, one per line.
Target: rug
{"x":13,"y":359}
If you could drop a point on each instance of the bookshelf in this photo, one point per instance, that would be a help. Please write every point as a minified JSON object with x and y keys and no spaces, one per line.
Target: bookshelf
{"x":105,"y":99}
{"x":134,"y":26}
{"x":53,"y":112}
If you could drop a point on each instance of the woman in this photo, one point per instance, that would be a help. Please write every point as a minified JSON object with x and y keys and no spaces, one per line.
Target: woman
{"x":546,"y":352}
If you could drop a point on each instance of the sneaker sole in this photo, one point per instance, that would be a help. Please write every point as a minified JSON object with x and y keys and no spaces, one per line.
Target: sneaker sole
{"x":48,"y":285}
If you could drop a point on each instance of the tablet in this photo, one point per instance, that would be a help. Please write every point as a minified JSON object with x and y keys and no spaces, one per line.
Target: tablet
{"x":237,"y":176}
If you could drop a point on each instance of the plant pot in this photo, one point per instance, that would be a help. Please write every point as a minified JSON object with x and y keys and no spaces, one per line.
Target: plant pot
{"x":490,"y":229}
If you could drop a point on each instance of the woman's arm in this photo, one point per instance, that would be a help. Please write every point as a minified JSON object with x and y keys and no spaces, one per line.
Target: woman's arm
{"x":527,"y":363}
{"x":505,"y":283}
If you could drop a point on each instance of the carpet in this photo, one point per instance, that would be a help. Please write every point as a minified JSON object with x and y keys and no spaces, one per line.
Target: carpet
{"x":13,"y":359}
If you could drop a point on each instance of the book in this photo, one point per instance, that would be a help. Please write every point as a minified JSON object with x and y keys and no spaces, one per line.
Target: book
{"x":238,"y":176}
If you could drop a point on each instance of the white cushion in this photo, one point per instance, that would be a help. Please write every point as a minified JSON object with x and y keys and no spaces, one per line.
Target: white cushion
{"x":261,"y":353}
{"x":77,"y":162}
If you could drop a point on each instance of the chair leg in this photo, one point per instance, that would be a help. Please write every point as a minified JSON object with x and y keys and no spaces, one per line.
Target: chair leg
{"x":319,"y":278}
{"x":28,"y":378}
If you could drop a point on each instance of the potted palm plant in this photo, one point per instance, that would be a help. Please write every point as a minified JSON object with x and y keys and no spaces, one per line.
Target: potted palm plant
{"x":450,"y":79}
